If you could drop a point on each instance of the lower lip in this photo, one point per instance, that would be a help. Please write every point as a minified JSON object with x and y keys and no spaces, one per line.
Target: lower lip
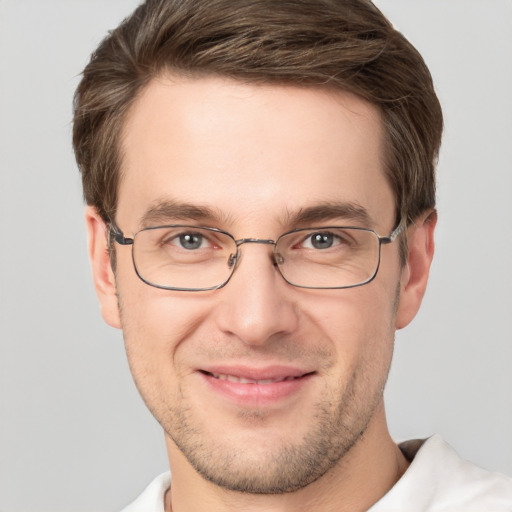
{"x":255,"y":394}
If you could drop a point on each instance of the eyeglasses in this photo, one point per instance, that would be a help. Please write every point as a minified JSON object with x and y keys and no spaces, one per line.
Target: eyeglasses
{"x":192,"y":258}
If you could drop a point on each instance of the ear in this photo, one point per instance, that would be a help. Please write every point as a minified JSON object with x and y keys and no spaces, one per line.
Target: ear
{"x":420,"y":239}
{"x":103,"y":276}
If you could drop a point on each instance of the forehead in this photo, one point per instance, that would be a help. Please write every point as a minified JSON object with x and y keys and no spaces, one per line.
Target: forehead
{"x":251,"y":152}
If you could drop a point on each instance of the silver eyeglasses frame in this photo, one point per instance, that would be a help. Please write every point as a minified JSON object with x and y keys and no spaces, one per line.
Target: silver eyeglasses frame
{"x":114,"y":233}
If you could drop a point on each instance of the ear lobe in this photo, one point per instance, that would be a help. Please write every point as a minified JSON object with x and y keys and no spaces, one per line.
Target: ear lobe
{"x":415,"y":273}
{"x":103,"y":276}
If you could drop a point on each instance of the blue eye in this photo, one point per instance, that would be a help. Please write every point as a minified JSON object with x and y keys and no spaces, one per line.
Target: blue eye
{"x":190,"y":241}
{"x":322,"y":240}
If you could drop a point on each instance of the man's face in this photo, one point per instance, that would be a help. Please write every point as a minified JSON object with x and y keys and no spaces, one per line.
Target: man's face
{"x":262,"y":386}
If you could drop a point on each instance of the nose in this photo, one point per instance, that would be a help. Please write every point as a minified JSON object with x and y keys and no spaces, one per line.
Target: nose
{"x":257,"y":304}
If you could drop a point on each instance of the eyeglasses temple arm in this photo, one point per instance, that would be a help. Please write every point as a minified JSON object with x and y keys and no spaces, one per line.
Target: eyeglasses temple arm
{"x":119,"y":237}
{"x":392,"y":236}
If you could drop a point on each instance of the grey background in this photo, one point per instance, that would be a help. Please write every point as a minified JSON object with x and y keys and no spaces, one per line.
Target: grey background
{"x":74,"y":435}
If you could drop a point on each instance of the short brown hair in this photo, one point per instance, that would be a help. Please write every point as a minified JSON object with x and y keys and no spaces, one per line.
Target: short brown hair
{"x":339,"y":44}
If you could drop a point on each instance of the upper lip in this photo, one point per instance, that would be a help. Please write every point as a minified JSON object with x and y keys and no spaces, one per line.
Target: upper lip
{"x":277,"y":372}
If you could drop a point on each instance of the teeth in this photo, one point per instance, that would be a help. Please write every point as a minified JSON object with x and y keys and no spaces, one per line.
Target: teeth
{"x":243,"y":380}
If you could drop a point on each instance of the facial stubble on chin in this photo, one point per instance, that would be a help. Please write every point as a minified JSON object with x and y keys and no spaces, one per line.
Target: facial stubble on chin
{"x":287,"y":469}
{"x":290,"y":467}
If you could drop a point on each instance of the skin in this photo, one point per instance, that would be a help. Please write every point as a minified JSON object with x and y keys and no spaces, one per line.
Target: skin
{"x":256,"y":156}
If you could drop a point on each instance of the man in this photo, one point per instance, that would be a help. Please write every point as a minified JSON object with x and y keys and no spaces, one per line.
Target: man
{"x":261,"y":209}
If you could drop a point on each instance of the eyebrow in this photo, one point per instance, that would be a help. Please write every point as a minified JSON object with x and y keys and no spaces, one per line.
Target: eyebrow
{"x":169,"y":210}
{"x":331,"y":211}
{"x":164,"y":211}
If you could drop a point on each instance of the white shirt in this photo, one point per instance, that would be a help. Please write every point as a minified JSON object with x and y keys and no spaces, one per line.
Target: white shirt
{"x":437,"y":480}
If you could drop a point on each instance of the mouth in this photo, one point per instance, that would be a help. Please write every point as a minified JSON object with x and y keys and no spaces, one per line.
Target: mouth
{"x":256,"y":387}
{"x":246,"y":380}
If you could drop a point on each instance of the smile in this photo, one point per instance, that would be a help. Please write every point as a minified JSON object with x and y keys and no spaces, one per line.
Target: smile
{"x":244,"y":380}
{"x":249,"y":387}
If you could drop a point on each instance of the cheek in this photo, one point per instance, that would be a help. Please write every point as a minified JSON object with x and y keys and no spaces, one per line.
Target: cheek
{"x":151,"y":315}
{"x":154,"y":323}
{"x":359,"y":322}
{"x":154,"y":327}
{"x":369,"y":309}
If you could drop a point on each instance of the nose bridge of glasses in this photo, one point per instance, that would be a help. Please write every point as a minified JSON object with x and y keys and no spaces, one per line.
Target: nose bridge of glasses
{"x":254,"y":241}
{"x":234,"y":259}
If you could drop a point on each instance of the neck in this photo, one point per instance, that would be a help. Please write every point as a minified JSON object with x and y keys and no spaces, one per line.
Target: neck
{"x":367,"y":472}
